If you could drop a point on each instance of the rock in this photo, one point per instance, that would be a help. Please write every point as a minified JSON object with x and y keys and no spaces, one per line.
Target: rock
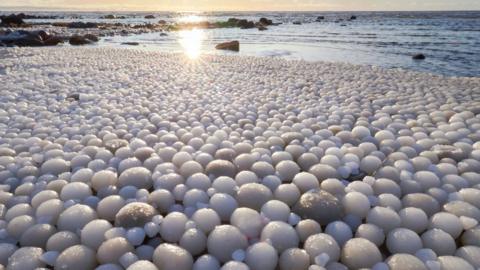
{"x":74,"y":97}
{"x":418,"y":56}
{"x":12,"y":20}
{"x":131,"y":43}
{"x":23,"y":38}
{"x":52,"y":41}
{"x":79,"y":40}
{"x":353,"y":17}
{"x":91,"y":37}
{"x":149,"y":17}
{"x":320,"y":18}
{"x":162,"y":22}
{"x":110,"y":17}
{"x":262,"y":28}
{"x":265,"y":21}
{"x":231,"y":46}
{"x":244,"y":24}
{"x":297,"y":23}
{"x":82,"y":25}
{"x":320,"y":206}
{"x":163,"y":34}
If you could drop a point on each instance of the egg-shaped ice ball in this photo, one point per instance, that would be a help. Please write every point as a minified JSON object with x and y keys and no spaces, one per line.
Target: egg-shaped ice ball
{"x":172,"y":257}
{"x":224,"y":240}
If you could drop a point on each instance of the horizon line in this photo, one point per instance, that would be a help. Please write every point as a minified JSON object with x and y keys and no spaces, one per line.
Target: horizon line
{"x":61,"y":9}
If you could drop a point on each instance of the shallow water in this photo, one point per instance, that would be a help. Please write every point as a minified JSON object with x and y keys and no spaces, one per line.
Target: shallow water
{"x":450,"y":40}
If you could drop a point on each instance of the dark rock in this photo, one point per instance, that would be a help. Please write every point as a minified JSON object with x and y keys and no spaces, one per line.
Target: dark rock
{"x":232,"y":20}
{"x":244,"y":24}
{"x":79,"y":40}
{"x":320,"y":18}
{"x":74,"y":97}
{"x":131,"y":43}
{"x":419,"y":56}
{"x":12,"y":20}
{"x":262,"y":28}
{"x":231,"y":46}
{"x":22,"y":38}
{"x":320,"y":206}
{"x":52,"y":41}
{"x":149,"y":17}
{"x":353,"y":17}
{"x":265,"y":21}
{"x":82,"y":25}
{"x":109,"y":17}
{"x":162,"y":22}
{"x":163,"y":34}
{"x":297,"y":22}
{"x":91,"y":37}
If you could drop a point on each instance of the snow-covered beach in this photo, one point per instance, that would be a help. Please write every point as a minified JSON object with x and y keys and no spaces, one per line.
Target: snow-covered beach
{"x":127,"y":159}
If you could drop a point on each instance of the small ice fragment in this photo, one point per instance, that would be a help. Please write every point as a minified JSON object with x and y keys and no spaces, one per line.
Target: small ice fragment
{"x":151,"y":229}
{"x":294,"y":219}
{"x":322,"y":259}
{"x":135,"y":236}
{"x":49,"y":257}
{"x":128,"y":259}
{"x":238,"y":255}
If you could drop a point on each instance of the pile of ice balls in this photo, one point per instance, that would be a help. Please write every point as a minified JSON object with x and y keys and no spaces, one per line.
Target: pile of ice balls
{"x":234,"y":163}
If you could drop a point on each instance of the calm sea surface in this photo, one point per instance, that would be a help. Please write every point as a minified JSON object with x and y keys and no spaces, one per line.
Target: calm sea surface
{"x":450,"y":40}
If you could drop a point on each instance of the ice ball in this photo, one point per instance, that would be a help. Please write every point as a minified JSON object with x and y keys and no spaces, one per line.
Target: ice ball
{"x":76,"y":258}
{"x":172,"y":257}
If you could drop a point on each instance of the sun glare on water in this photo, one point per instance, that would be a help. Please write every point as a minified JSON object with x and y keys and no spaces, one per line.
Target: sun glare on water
{"x":191,"y":42}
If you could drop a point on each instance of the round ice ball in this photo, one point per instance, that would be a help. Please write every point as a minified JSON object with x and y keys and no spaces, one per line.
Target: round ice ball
{"x":224,"y":205}
{"x":371,"y":232}
{"x":142,"y":265}
{"x":26,"y":258}
{"x":356,"y":203}
{"x":261,"y":256}
{"x":77,"y":257}
{"x":135,"y":214}
{"x":111,"y":250}
{"x":206,"y":262}
{"x":76,"y":217}
{"x":37,"y":235}
{"x":224,"y":240}
{"x":370,"y":164}
{"x":307,"y":227}
{"x":248,"y":221}
{"x":405,"y":262}
{"x":360,"y":253}
{"x":173,"y":226}
{"x":62,"y":240}
{"x":320,"y":206}
{"x":439,"y":241}
{"x":109,"y":206}
{"x":281,"y":235}
{"x":414,"y":219}
{"x":447,"y":222}
{"x":194,"y":241}
{"x":206,"y":219}
{"x":403,"y":240}
{"x":340,"y":231}
{"x":138,"y":177}
{"x":385,"y":218}
{"x":92,"y":235}
{"x":276,"y":210}
{"x":287,"y":169}
{"x":305,"y":181}
{"x":55,"y":166}
{"x":471,"y":254}
{"x":234,"y":265}
{"x":220,"y":167}
{"x":172,"y":257}
{"x":253,"y":195}
{"x":75,"y":191}
{"x":294,"y":259}
{"x":287,"y":193}
{"x":103,"y":179}
{"x":454,"y":263}
{"x":322,"y":243}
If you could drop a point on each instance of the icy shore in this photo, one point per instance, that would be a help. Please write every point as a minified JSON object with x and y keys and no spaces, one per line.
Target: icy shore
{"x":125,"y":159}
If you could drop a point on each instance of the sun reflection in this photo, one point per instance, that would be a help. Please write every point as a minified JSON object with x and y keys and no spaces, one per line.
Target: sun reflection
{"x":191,"y":42}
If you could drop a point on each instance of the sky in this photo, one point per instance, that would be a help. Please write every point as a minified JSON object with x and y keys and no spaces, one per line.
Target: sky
{"x":241,"y":5}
